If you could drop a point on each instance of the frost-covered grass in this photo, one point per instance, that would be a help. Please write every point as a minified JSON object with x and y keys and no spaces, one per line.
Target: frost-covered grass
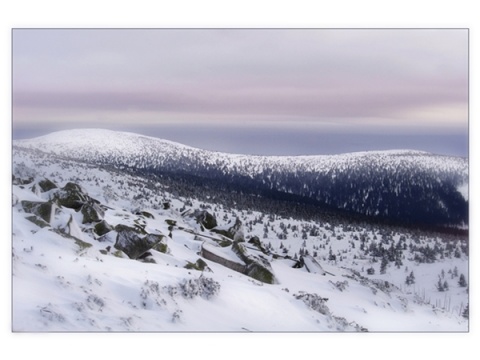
{"x":64,"y":279}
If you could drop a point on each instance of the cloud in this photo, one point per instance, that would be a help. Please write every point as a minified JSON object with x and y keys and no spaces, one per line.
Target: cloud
{"x":397,"y":78}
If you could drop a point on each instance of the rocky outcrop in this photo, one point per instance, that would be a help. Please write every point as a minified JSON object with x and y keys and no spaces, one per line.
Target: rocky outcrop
{"x":238,"y":258}
{"x":72,"y":196}
{"x":209,"y":253}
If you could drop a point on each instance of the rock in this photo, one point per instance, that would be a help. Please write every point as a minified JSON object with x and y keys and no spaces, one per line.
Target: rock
{"x":102,"y":228}
{"x":91,"y":212}
{"x":255,"y":240}
{"x":161,"y":247}
{"x":72,"y":196}
{"x":199,"y":265}
{"x":41,"y":209}
{"x":147,"y":257}
{"x":233,"y":232}
{"x":312,"y":265}
{"x":209,"y":252}
{"x":257,"y":266}
{"x":37,"y":221}
{"x":21,"y":181}
{"x":134,"y":243}
{"x":171,"y":222}
{"x":206,"y":219}
{"x":145,"y":214}
{"x":46,"y":185}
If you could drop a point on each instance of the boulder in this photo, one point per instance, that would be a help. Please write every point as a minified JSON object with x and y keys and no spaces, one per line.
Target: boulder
{"x":37,"y":221}
{"x":102,"y":228}
{"x":217,"y":254}
{"x":135,"y":243}
{"x":72,"y":196}
{"x":91,"y":212}
{"x":255,"y":240}
{"x":41,"y":209}
{"x":232,"y":231}
{"x":46,"y":185}
{"x":199,"y":265}
{"x":312,"y":265}
{"x":257,"y":267}
{"x":207,"y":220}
{"x":145,"y":214}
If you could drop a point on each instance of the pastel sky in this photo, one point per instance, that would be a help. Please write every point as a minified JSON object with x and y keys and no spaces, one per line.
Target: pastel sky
{"x":276,"y":91}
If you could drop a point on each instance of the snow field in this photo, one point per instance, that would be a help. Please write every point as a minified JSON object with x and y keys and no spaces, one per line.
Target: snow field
{"x":60,"y":285}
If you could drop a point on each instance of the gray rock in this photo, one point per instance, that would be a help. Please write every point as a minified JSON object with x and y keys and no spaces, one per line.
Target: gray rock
{"x":92,"y":212}
{"x":46,"y":185}
{"x":72,"y":196}
{"x":102,"y":228}
{"x":207,"y":220}
{"x":258,"y":267}
{"x":135,"y":243}
{"x":41,"y":209}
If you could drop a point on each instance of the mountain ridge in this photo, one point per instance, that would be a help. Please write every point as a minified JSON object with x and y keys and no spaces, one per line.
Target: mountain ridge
{"x":65,"y":136}
{"x":403,"y":185}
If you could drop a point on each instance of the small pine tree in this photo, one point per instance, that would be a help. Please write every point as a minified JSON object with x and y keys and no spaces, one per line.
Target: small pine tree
{"x":331,"y":256}
{"x":383,"y":265}
{"x":445,"y":285}
{"x":440,"y":285}
{"x":455,"y":272}
{"x":410,"y":279}
{"x":462,"y":282}
{"x":465,"y":313}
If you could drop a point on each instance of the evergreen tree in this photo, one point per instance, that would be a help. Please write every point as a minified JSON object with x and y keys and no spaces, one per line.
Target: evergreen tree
{"x":462,"y":282}
{"x":410,"y":279}
{"x":331,"y":256}
{"x":445,"y":285}
{"x":455,"y":272}
{"x":383,"y":265}
{"x":465,"y":313}
{"x":440,"y":285}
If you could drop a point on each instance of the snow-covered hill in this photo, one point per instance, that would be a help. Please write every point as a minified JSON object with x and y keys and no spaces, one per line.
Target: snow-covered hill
{"x":101,"y":249}
{"x":408,"y":187}
{"x":136,"y":150}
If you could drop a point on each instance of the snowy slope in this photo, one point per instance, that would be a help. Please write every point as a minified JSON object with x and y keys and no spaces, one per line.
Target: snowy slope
{"x":68,"y":278}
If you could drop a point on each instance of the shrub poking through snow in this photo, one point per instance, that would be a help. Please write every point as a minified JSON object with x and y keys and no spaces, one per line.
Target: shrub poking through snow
{"x":203,"y":286}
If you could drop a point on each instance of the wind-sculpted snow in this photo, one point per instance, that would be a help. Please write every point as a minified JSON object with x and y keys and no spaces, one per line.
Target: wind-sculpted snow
{"x":403,"y":185}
